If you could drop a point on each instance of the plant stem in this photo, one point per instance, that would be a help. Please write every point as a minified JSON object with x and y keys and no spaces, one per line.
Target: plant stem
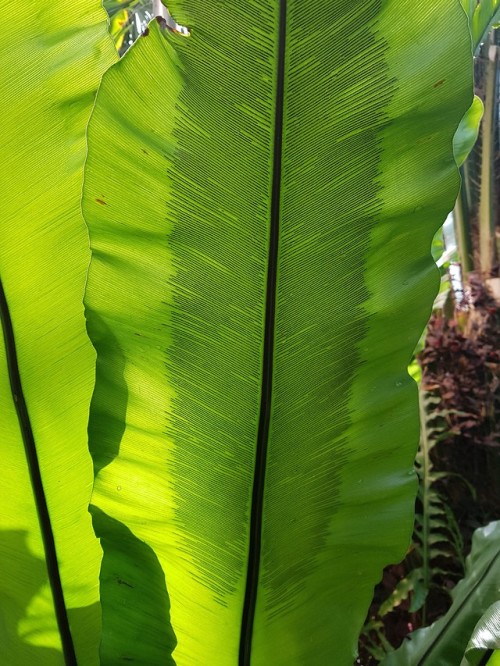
{"x":486,"y":216}
{"x":463,"y":233}
{"x":425,"y":480}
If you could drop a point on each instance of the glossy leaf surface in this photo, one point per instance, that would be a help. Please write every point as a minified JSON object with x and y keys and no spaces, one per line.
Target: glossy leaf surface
{"x":261,"y":198}
{"x":445,"y":642}
{"x":486,"y":636}
{"x":51,"y":58}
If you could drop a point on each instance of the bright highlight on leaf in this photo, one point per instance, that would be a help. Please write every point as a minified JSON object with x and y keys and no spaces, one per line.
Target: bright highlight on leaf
{"x":117,"y":27}
{"x":468,"y":130}
{"x":260,"y":274}
{"x":261,"y":201}
{"x":52,"y":56}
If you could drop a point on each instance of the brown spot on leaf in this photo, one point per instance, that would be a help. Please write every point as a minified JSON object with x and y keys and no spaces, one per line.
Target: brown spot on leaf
{"x":145,"y":151}
{"x":120,"y":581}
{"x":439,"y":83}
{"x":145,"y":32}
{"x":100,"y":201}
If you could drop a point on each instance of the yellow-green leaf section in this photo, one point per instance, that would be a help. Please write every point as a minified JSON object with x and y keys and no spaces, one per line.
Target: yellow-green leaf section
{"x":52,"y":55}
{"x":468,"y":130}
{"x":261,"y":198}
{"x":483,"y":15}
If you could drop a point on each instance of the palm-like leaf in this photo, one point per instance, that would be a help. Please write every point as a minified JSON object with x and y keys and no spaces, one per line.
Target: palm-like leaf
{"x":51,"y":58}
{"x":261,"y":198}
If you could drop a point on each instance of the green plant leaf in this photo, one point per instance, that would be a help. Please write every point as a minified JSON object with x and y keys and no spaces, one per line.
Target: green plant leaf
{"x":253,"y":422}
{"x":51,"y":58}
{"x":445,"y":642}
{"x":486,"y":636}
{"x":468,"y":130}
{"x":483,"y":15}
{"x":469,"y":6}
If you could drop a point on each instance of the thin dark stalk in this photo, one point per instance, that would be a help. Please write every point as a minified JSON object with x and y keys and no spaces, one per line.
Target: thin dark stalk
{"x":463,"y":230}
{"x":255,"y":544}
{"x":36,"y":482}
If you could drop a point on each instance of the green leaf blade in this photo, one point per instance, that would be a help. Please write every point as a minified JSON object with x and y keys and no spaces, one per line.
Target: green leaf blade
{"x":483,"y":15}
{"x":51,"y":61}
{"x":485,"y":637}
{"x":204,"y":581}
{"x":176,"y":299}
{"x":468,"y":130}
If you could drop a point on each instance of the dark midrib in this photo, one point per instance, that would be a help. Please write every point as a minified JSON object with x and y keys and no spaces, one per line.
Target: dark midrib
{"x":254,"y":552}
{"x":486,"y":657}
{"x":36,"y":482}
